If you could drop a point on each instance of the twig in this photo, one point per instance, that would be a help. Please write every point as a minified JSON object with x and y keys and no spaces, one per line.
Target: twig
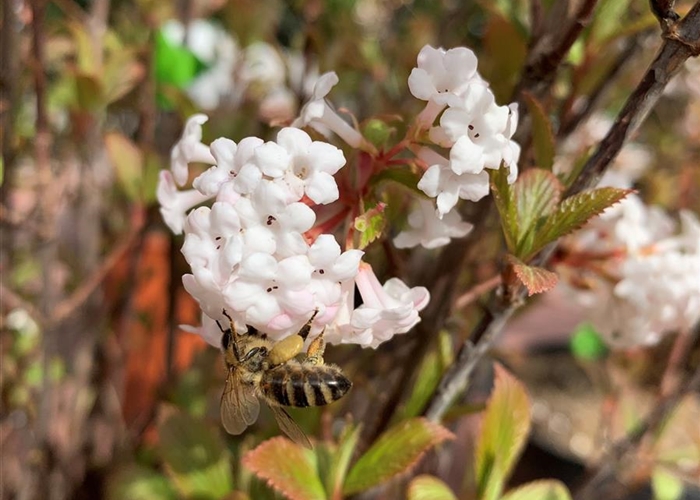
{"x":81,"y":294}
{"x":571,"y":122}
{"x":477,"y":290}
{"x":676,"y":49}
{"x":457,"y":376}
{"x":546,"y":57}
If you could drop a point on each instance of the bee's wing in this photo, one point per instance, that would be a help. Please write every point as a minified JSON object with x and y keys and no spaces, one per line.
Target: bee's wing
{"x":290,"y":427}
{"x":239,"y":405}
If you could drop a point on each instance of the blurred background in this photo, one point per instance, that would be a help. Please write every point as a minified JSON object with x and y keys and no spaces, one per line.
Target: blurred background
{"x":102,"y":394}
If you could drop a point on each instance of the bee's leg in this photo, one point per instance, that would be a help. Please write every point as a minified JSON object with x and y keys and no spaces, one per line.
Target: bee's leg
{"x":234,"y":334}
{"x":314,"y":355}
{"x":304,"y":331}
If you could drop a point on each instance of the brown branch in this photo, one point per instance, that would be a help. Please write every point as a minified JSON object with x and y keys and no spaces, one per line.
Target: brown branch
{"x":81,"y":294}
{"x":571,"y":122}
{"x":546,"y":57}
{"x":477,"y":290}
{"x":677,"y":48}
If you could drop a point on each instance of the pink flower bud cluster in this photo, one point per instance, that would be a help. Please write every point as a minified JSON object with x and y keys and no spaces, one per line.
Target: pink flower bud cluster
{"x":647,"y":275}
{"x":249,"y":252}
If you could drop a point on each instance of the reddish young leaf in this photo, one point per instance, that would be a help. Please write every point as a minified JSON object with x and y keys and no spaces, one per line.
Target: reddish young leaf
{"x":535,"y":279}
{"x":287,"y":468}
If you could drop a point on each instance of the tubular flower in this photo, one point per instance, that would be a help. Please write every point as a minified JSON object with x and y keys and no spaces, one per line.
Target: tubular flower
{"x":250,"y":254}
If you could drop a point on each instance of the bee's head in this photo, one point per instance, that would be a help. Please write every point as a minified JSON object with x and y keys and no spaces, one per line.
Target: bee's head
{"x":226,"y":340}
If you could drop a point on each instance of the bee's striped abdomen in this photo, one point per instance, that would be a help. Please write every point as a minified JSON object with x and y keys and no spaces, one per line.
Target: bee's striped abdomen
{"x":301,"y":386}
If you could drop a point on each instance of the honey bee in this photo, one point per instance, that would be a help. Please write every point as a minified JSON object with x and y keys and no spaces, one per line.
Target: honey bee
{"x":261,"y":368}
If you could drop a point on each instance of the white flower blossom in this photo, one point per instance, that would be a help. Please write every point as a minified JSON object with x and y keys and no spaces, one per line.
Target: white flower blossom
{"x":385,"y":311}
{"x":174,"y":203}
{"x":441,"y":182}
{"x":189,"y":149}
{"x":317,"y":114}
{"x":430,"y":231}
{"x":254,"y":253}
{"x":650,"y":283}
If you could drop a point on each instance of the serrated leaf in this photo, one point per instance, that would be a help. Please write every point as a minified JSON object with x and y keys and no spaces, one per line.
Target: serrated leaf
{"x":394,"y":452}
{"x":543,"y":140}
{"x":287,"y":467}
{"x":503,"y":434}
{"x":194,"y":457}
{"x":370,"y":225}
{"x":429,"y":488}
{"x":665,"y":485}
{"x":575,"y":211}
{"x":536,"y":194}
{"x":535,"y":279}
{"x":505,"y":204}
{"x":128,"y":163}
{"x":539,"y":490}
{"x":134,"y":482}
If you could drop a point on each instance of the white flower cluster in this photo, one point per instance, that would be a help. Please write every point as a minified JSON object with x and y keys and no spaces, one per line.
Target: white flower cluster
{"x":647,"y":280}
{"x":258,"y":72}
{"x":249,"y":253}
{"x":476,"y":131}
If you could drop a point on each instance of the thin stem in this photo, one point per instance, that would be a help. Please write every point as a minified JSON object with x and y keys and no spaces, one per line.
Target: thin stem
{"x":477,"y":290}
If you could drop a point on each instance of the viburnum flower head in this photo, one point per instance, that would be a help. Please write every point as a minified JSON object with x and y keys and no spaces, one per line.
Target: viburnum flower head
{"x":250,"y":253}
{"x":472,"y":126}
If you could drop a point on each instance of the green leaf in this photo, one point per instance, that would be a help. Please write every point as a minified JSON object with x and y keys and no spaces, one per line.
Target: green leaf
{"x":536,"y":194}
{"x":334,"y":461}
{"x":370,"y":225}
{"x":542,"y":136}
{"x":586,"y":343}
{"x":194,"y":457}
{"x":505,"y":204}
{"x":394,"y":452}
{"x":575,"y":211}
{"x":287,"y":468}
{"x":134,"y":482}
{"x":665,"y":485}
{"x":429,"y":488}
{"x":535,"y":279}
{"x":128,"y":162}
{"x":539,"y":490}
{"x":503,"y":434}
{"x":428,"y":376}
